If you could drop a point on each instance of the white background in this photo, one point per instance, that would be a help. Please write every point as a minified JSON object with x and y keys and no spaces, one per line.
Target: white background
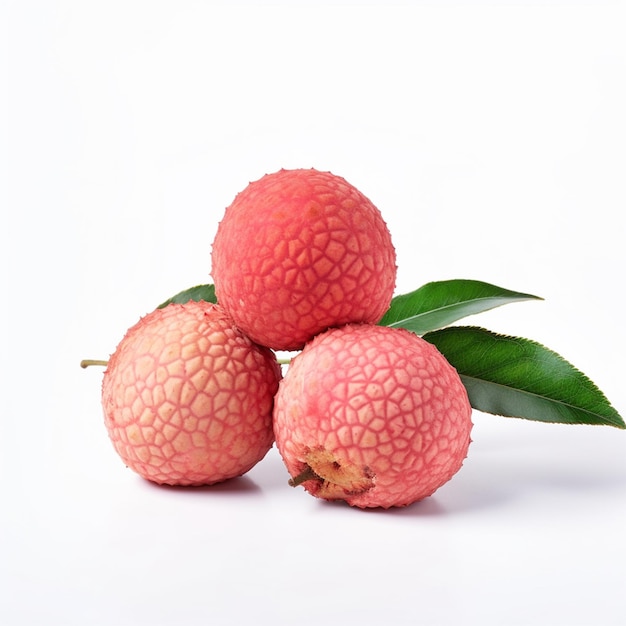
{"x":492,"y":138}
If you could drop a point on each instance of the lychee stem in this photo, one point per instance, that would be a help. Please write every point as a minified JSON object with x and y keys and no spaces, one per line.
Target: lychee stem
{"x":306,"y":474}
{"x":88,"y":362}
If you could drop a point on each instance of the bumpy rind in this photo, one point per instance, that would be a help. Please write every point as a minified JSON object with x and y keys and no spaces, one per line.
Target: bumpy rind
{"x":188,"y":398}
{"x":299,"y":251}
{"x":378,"y":413}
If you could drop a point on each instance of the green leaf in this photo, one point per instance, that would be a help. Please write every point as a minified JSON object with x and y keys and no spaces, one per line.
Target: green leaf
{"x":198,"y":293}
{"x":517,"y":377}
{"x":438,"y":304}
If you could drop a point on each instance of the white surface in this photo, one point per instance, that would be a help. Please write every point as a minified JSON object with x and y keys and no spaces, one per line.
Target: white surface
{"x":491,"y":138}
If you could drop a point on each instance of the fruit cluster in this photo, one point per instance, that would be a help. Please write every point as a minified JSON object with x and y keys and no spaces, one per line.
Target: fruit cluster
{"x":375,"y":416}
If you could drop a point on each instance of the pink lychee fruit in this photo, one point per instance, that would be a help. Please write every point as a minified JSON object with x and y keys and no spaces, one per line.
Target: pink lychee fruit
{"x":372,"y":415}
{"x":188,"y":398}
{"x":300,"y":251}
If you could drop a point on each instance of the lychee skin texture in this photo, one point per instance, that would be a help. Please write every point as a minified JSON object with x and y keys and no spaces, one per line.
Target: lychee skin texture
{"x":300,"y":251}
{"x":188,"y":398}
{"x":372,"y":415}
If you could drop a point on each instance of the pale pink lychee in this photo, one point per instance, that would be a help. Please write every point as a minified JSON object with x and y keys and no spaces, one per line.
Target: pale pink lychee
{"x":299,"y":251}
{"x":188,"y":398}
{"x":371,"y":415}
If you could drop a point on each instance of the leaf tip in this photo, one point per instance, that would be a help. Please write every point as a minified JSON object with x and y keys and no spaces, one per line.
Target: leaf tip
{"x":619,"y":422}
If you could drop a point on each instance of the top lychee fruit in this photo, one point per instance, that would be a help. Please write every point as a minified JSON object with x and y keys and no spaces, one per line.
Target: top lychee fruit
{"x":299,"y":251}
{"x":372,"y":415}
{"x":188,"y":398}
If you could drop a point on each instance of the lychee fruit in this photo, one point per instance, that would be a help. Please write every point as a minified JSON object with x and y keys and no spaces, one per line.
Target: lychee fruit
{"x":372,"y":415}
{"x":188,"y":398}
{"x":299,"y":251}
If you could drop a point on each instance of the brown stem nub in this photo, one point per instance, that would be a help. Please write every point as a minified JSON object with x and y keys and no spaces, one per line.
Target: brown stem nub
{"x":87,"y":362}
{"x":306,"y":474}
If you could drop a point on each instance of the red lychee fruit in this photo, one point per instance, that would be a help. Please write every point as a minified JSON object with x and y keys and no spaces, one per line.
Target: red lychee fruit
{"x":300,"y":251}
{"x":188,"y":398}
{"x":372,"y":415}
